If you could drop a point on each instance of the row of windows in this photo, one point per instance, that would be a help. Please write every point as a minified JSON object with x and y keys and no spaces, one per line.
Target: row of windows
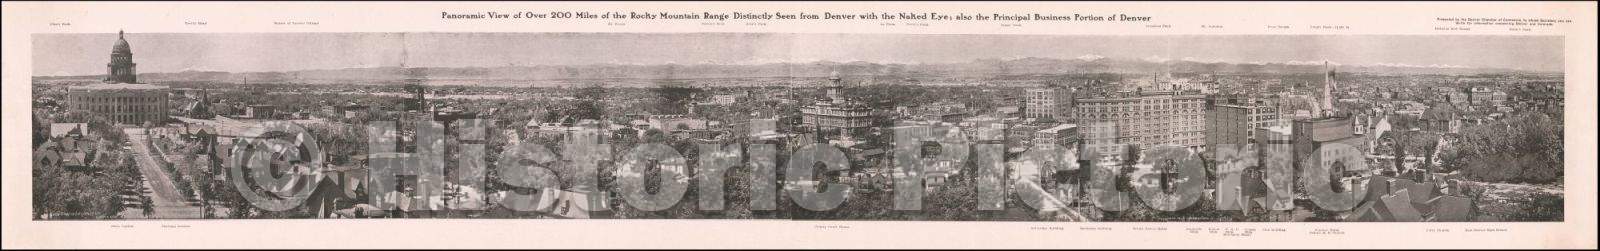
{"x":133,"y":118}
{"x":1146,"y":101}
{"x":1124,"y":118}
{"x":1183,"y":127}
{"x":1161,"y":133}
{"x":114,"y":108}
{"x":1187,"y":109}
{"x":1108,"y":144}
{"x":117,"y":99}
{"x":836,"y":113}
{"x":1186,"y":126}
{"x":837,"y":122}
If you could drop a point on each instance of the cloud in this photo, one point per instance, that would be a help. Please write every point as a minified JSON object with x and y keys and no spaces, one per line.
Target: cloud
{"x":1090,"y":57}
{"x":1157,"y":59}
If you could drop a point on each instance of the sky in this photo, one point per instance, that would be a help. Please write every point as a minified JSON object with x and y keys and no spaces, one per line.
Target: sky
{"x":87,"y":54}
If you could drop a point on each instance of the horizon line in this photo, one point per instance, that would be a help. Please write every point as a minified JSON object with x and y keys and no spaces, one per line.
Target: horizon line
{"x":977,"y":60}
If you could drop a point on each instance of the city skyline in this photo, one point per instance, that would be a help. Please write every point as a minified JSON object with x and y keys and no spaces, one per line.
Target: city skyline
{"x":74,"y":54}
{"x":173,"y":137}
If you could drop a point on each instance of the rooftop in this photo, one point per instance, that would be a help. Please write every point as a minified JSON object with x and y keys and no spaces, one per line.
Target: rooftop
{"x":60,"y":129}
{"x":1284,"y":129}
{"x":1440,"y":112}
{"x":119,"y":86}
{"x":1058,"y":128}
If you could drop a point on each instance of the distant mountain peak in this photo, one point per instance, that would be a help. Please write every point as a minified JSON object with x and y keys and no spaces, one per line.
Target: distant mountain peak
{"x":1027,"y":65}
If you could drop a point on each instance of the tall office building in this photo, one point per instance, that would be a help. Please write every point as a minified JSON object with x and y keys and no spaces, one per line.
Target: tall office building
{"x":1049,"y":103}
{"x":1149,"y":119}
{"x":1234,"y":121}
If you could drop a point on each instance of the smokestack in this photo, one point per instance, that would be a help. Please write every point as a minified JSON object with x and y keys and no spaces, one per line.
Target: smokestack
{"x":1328,"y":81}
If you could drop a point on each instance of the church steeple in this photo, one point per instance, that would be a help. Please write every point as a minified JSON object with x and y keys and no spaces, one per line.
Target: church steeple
{"x":121,"y":69}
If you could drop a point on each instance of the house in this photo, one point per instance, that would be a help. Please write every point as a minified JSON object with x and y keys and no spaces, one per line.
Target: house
{"x":1443,"y":118}
{"x":1063,"y":134}
{"x":261,"y":111}
{"x":74,"y":130}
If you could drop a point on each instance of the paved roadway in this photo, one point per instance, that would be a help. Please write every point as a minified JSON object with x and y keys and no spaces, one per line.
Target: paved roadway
{"x":169,"y":204}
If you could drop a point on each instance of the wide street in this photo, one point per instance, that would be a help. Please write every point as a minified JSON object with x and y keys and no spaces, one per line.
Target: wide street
{"x":169,"y":203}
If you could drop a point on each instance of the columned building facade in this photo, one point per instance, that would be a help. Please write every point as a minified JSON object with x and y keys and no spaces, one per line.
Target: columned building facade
{"x":835,"y":112}
{"x":121,"y":99}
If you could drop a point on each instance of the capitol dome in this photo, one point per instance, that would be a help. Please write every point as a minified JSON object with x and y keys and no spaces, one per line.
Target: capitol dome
{"x":121,"y":46}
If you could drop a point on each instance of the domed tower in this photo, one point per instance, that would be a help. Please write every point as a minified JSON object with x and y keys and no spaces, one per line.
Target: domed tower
{"x":121,"y":69}
{"x":835,"y":84}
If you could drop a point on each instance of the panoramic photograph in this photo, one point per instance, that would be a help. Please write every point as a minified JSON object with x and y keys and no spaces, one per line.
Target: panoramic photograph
{"x":798,"y":126}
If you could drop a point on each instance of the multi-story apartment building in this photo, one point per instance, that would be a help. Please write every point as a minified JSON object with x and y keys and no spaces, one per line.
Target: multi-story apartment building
{"x":1235,"y":121}
{"x":1051,"y":103}
{"x":1149,"y":119}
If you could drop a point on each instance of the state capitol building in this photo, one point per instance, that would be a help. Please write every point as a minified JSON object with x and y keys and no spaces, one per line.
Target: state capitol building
{"x":121,"y":99}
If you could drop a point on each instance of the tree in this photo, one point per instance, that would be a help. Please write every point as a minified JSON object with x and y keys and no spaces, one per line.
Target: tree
{"x":674,"y":99}
{"x":1543,"y":141}
{"x":81,"y":194}
{"x":41,"y":130}
{"x":1523,"y":148}
{"x":1400,"y":140}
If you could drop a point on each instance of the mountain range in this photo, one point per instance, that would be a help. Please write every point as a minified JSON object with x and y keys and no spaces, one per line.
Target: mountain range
{"x":976,"y":68}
